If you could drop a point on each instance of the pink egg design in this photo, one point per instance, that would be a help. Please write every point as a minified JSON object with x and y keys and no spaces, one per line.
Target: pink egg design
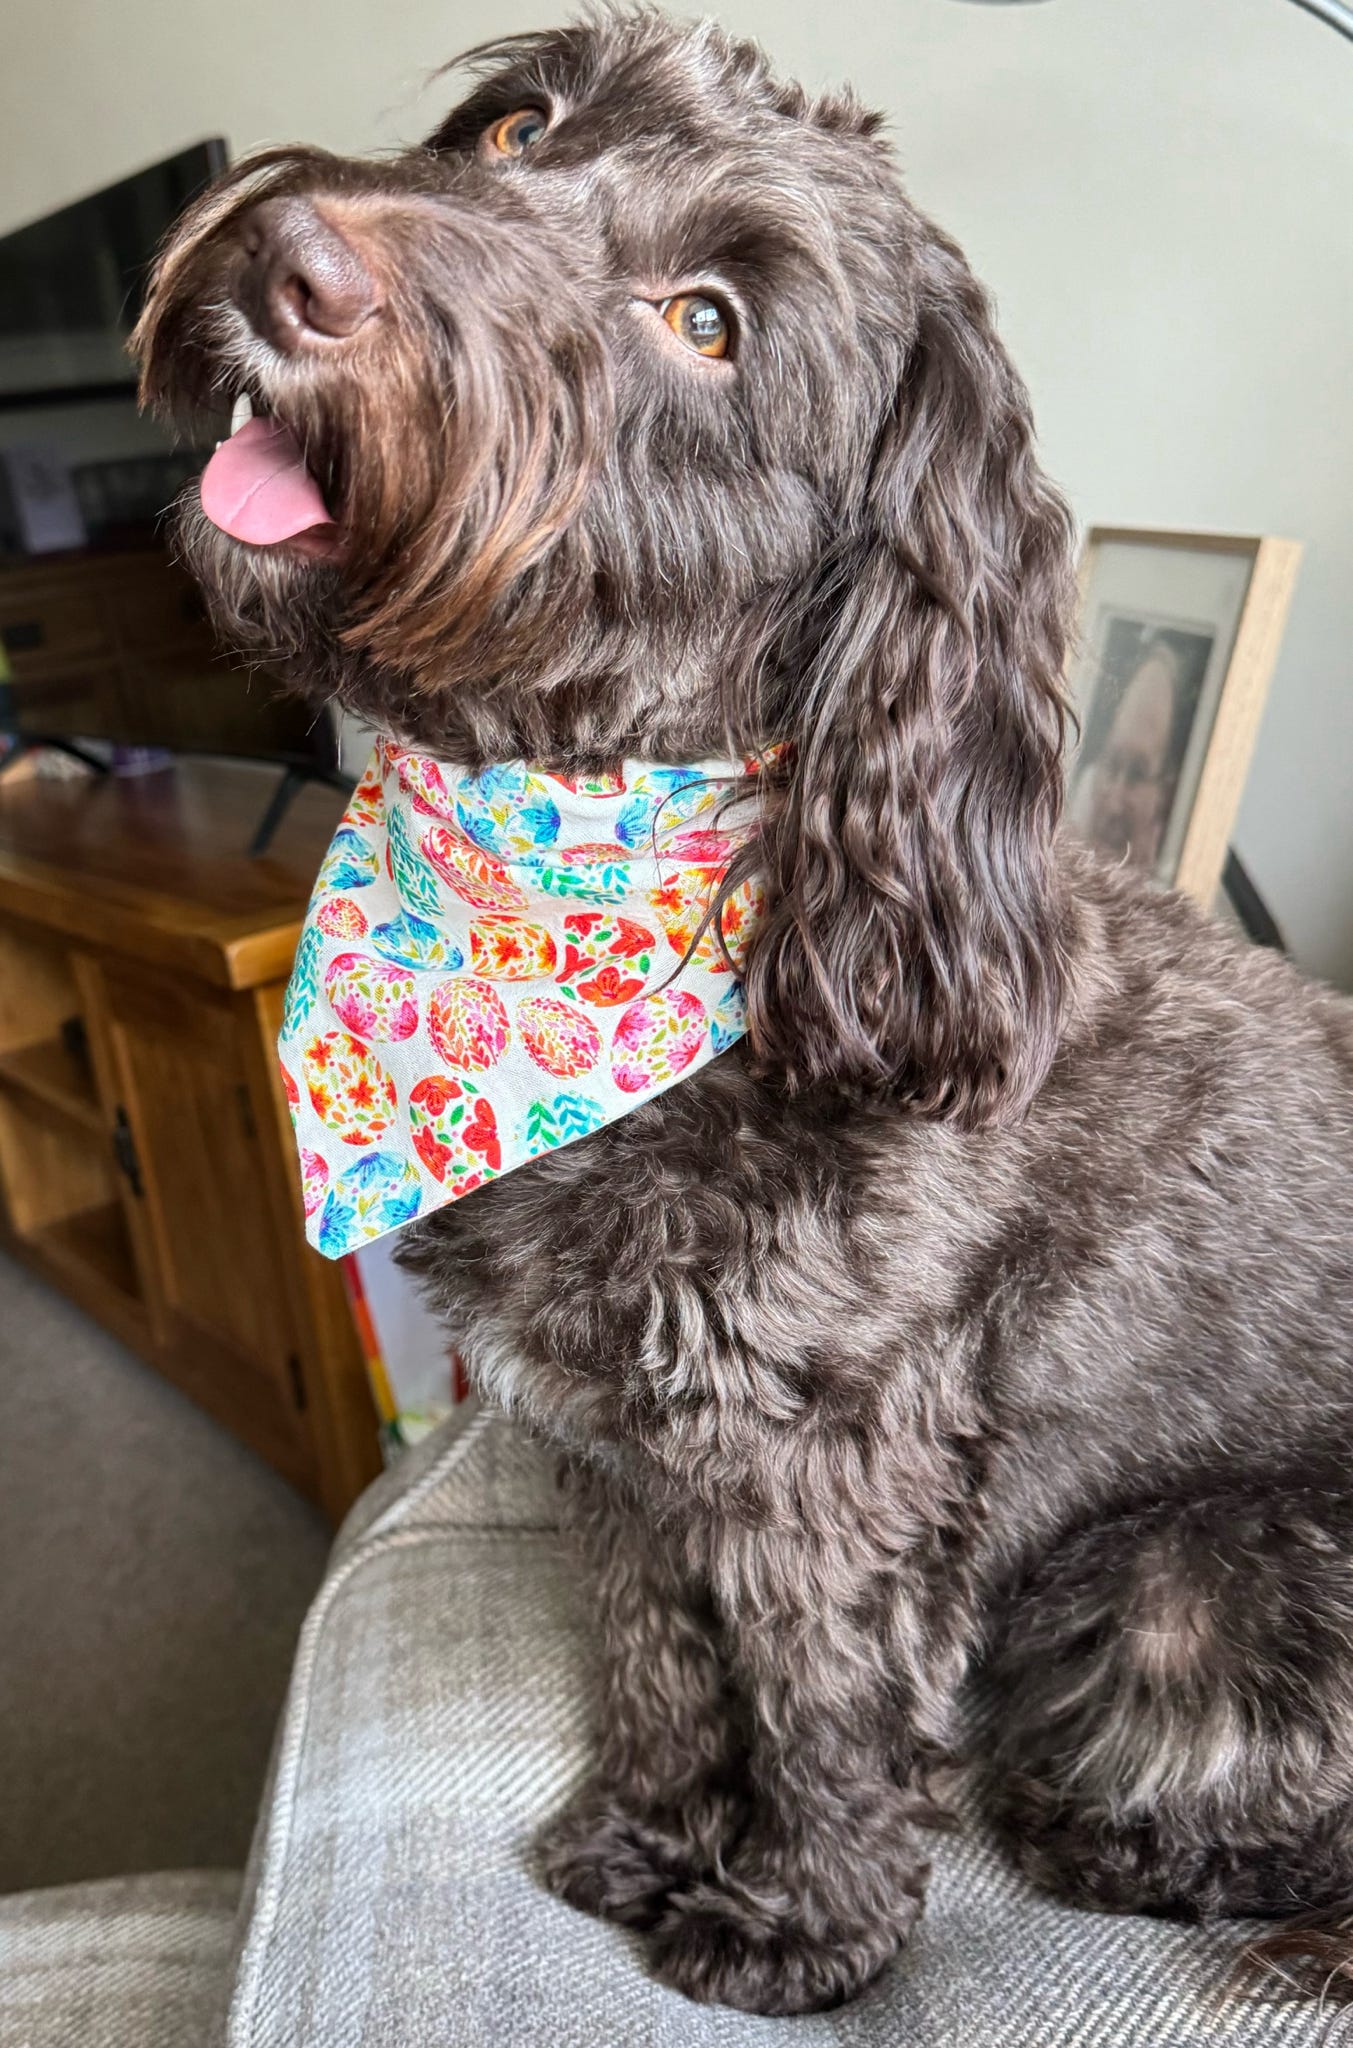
{"x":703,"y":844}
{"x":558,"y":1036}
{"x":477,"y":878}
{"x":423,"y":780}
{"x":371,"y":998}
{"x":341,"y":918}
{"x":656,"y":1038}
{"x":314,"y":1180}
{"x":467,"y":1024}
{"x":350,"y":1091}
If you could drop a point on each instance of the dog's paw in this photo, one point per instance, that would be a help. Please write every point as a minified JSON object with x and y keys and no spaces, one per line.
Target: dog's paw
{"x":613,"y":1863}
{"x":724,"y":1950}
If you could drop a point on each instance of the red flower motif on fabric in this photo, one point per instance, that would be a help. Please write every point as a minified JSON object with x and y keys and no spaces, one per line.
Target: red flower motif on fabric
{"x":630,"y":938}
{"x":481,"y":1135}
{"x":609,"y":985}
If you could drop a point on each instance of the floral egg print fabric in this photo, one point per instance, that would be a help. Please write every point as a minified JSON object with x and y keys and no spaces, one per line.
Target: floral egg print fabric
{"x":495,"y":965}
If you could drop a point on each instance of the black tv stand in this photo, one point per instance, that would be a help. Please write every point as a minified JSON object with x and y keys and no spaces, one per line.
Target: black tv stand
{"x":294,"y":776}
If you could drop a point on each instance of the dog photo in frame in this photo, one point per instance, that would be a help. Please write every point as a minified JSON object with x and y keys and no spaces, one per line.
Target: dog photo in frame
{"x":1179,"y":635}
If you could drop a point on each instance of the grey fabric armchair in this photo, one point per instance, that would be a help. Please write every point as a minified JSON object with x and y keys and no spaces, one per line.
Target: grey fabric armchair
{"x":439,"y":1710}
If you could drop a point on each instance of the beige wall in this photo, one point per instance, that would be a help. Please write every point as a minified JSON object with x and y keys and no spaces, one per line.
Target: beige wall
{"x":1160,"y":191}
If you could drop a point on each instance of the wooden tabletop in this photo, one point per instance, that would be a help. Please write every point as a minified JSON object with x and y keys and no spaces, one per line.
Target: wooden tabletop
{"x":157,"y":866}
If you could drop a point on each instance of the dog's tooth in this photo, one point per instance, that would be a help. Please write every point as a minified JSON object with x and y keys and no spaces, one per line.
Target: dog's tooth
{"x":243,"y":411}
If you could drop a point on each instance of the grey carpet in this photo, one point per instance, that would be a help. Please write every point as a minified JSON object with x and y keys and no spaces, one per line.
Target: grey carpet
{"x":153,"y":1577}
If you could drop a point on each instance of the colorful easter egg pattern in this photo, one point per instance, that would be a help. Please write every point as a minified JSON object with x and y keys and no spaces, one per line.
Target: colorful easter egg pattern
{"x":371,"y":998}
{"x":409,"y":941}
{"x":455,"y":1132}
{"x":426,"y":785}
{"x":378,"y":1193}
{"x":477,"y":878}
{"x":510,"y":949}
{"x":340,"y":918}
{"x":350,"y":863}
{"x":350,"y":1091}
{"x":607,"y":959}
{"x":657,"y":1038}
{"x":558,"y":1036}
{"x":467,"y":1024}
{"x":493,"y":840}
{"x":410,"y":873}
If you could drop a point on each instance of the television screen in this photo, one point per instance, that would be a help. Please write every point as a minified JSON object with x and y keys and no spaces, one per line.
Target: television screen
{"x":71,"y":285}
{"x":102,"y":638}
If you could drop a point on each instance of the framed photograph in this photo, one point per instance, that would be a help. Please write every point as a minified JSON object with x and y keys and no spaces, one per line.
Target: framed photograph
{"x":1178,"y":636}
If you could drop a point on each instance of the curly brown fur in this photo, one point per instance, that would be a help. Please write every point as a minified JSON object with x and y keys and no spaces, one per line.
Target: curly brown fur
{"x":998,"y":1287}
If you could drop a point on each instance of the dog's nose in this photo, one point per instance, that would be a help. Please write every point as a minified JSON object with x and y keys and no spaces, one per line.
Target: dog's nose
{"x":302,"y":282}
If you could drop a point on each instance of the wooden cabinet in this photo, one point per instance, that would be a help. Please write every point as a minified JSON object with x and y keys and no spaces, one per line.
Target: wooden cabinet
{"x":215,"y":1285}
{"x":144,"y":1146}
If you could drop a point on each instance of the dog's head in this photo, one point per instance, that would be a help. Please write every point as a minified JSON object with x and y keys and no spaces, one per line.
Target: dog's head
{"x":644,"y":415}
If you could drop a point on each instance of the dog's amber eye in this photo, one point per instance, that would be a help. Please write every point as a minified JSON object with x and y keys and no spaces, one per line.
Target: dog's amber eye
{"x":515,"y":133}
{"x":701,"y":323}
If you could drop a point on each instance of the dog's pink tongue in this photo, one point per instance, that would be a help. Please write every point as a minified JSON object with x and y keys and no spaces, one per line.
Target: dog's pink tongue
{"x":257,"y":488}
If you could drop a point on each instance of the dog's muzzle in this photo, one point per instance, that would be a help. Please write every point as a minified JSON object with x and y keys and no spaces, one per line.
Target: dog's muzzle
{"x":302,"y":284}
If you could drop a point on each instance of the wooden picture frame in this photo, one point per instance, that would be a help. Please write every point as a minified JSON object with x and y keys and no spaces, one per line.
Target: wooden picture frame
{"x":1179,"y":633}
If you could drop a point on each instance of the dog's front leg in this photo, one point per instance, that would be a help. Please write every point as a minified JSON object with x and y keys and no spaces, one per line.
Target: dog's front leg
{"x":667,"y":1793}
{"x":845,"y":1687}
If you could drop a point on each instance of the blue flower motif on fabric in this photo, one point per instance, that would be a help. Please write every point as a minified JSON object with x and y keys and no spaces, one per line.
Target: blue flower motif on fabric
{"x":381,"y":1192}
{"x":656,"y":798}
{"x":303,"y":988}
{"x":350,"y":863}
{"x":414,"y":879}
{"x":507,"y":811}
{"x":729,"y":1022}
{"x":409,"y":941}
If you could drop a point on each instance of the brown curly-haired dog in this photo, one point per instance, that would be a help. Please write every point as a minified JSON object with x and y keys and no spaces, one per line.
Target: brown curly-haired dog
{"x":998,"y":1288}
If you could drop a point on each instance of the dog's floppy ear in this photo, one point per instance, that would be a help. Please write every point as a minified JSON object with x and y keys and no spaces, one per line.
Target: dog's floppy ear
{"x":913,"y":941}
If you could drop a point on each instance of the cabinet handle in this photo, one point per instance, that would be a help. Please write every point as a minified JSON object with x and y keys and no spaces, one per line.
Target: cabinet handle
{"x":124,"y":1151}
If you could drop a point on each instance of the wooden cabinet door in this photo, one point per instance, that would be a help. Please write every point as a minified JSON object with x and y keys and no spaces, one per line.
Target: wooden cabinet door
{"x":223,"y":1319}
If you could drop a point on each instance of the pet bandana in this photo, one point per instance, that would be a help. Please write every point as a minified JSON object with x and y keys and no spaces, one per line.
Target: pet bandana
{"x":494,"y":965}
